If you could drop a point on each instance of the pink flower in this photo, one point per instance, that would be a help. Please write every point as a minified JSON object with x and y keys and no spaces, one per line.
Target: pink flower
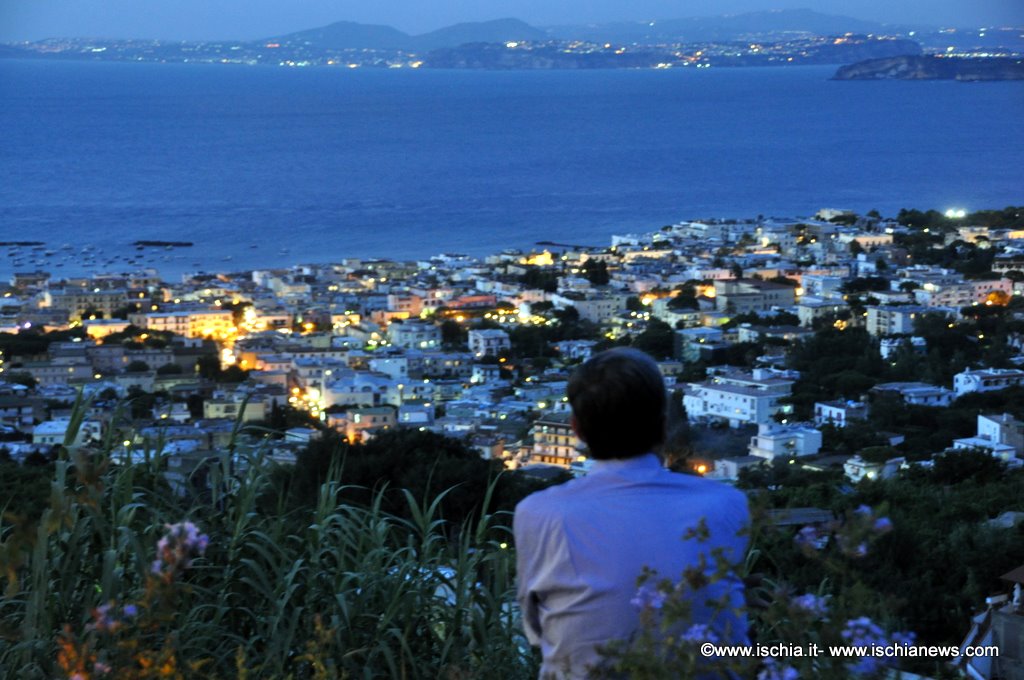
{"x":177,"y":548}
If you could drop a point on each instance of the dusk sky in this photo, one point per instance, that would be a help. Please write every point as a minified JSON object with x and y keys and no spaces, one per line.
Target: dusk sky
{"x":250,"y":19}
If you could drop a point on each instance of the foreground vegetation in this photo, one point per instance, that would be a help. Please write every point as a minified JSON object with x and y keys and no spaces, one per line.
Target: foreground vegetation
{"x":119,"y":577}
{"x":268,"y":572}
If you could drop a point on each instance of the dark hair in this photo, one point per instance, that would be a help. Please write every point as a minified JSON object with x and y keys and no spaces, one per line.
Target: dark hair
{"x":618,"y":398}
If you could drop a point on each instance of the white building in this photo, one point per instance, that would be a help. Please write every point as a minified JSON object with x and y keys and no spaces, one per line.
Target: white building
{"x":962,"y":294}
{"x":488,"y":342}
{"x":1002,"y":436}
{"x":51,"y":432}
{"x":889,"y":346}
{"x":839,"y":413}
{"x":728,"y":469}
{"x":856,"y":468}
{"x":987,"y":380}
{"x":812,"y":308}
{"x":575,"y":349}
{"x":918,"y":393}
{"x":822,"y":286}
{"x":415,"y":335}
{"x":784,"y":441}
{"x":896,"y":319}
{"x":595,"y":307}
{"x":196,"y":323}
{"x":554,"y":441}
{"x":738,"y":398}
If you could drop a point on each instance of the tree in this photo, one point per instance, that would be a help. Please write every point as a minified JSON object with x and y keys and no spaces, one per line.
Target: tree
{"x":544,"y":279}
{"x":209,"y":367}
{"x":123,"y":311}
{"x":238,"y":310}
{"x":453,"y":334}
{"x":137,"y":366}
{"x":233,"y":374}
{"x":596,"y":271}
{"x":656,"y":339}
{"x":403,"y":459}
{"x":567,"y":315}
{"x":32,"y":342}
{"x":21,"y":378}
{"x":785,"y":281}
{"x":141,"y":403}
{"x":541,"y":307}
{"x":107,"y":394}
{"x":686,"y":297}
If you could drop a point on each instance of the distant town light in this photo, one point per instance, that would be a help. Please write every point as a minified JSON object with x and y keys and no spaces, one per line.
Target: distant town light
{"x":956,"y":213}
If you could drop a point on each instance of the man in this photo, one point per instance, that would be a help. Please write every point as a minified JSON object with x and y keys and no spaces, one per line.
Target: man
{"x":581,"y":546}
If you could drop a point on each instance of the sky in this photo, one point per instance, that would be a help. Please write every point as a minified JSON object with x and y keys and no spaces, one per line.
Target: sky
{"x":252,"y":19}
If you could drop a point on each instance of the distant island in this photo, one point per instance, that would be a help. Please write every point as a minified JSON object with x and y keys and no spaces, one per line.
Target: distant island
{"x":776,"y":38}
{"x":933,"y":67}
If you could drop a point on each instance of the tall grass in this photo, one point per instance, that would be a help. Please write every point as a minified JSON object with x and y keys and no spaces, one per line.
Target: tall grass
{"x":331,"y":591}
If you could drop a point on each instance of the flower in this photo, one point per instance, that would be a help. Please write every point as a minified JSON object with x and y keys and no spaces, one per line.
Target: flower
{"x":773,"y":671}
{"x":882,"y":525}
{"x":177,"y":548}
{"x":904,"y":638}
{"x":812,"y":604}
{"x":863,"y":510}
{"x":699,"y":632}
{"x":648,"y":597}
{"x":866,"y":665}
{"x":863,"y":631}
{"x":104,"y":620}
{"x":810,"y":538}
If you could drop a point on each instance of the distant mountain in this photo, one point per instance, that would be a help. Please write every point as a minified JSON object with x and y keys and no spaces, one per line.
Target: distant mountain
{"x":497,"y":31}
{"x":350,"y":35}
{"x":729,"y":27}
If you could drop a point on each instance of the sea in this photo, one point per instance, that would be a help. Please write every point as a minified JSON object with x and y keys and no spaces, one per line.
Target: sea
{"x":270,"y":166}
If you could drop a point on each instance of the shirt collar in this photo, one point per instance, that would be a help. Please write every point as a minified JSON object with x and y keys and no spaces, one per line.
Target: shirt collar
{"x":642,"y":462}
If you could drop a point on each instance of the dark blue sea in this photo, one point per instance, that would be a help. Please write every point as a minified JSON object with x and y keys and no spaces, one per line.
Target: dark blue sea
{"x":264,"y":166}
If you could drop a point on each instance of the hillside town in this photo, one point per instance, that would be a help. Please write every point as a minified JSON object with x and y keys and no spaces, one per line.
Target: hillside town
{"x":807,"y":360}
{"x":481,"y":349}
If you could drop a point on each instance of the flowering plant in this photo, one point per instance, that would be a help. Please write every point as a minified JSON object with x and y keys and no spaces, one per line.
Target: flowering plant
{"x":791,"y":636}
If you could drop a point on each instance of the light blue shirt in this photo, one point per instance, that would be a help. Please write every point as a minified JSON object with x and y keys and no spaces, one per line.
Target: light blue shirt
{"x":582,"y":545}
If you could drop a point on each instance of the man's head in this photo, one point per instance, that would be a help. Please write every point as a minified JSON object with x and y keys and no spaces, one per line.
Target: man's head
{"x":618,"y":403}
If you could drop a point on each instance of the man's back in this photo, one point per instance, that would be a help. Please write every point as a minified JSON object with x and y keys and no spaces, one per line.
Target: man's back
{"x":582,"y":545}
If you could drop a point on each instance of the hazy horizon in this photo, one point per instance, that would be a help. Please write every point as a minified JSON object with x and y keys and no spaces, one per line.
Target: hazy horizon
{"x":26,"y":20}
